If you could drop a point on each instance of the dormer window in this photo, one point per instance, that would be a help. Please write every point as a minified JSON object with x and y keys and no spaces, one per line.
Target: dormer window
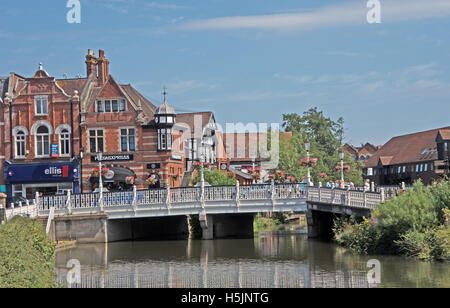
{"x":41,"y":105}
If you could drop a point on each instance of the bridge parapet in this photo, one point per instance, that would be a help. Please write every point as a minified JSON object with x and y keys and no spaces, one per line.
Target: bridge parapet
{"x":216,"y":199}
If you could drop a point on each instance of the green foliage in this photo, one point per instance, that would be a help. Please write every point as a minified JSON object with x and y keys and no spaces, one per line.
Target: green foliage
{"x":441,"y":194}
{"x":414,"y":224}
{"x":325,"y":138}
{"x":412,"y":210}
{"x":27,"y":255}
{"x":359,"y":236}
{"x":215,"y":178}
{"x":432,"y":244}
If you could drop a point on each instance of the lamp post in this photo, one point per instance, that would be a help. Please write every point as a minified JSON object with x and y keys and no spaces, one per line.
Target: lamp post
{"x":341,"y":156}
{"x":100,"y":180}
{"x":308,"y":173}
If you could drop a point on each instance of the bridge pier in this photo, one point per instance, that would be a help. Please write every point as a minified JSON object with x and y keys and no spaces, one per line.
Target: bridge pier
{"x":226,"y":226}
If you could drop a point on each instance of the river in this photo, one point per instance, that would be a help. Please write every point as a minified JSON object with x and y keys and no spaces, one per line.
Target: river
{"x":270,"y":260}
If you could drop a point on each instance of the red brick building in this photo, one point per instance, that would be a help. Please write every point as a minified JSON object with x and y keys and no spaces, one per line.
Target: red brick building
{"x":40,"y":135}
{"x":53,"y":130}
{"x":136,"y":139}
{"x":407,"y":158}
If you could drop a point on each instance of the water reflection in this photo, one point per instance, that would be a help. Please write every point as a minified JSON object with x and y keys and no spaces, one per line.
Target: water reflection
{"x":271,"y":260}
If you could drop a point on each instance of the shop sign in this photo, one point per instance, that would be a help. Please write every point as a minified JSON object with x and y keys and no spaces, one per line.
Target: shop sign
{"x":113,"y":158}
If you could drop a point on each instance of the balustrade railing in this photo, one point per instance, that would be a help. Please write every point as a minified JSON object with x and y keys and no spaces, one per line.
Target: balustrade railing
{"x":178,"y":196}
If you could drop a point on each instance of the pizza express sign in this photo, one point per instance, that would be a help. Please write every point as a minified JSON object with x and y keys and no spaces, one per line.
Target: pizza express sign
{"x":113,"y":158}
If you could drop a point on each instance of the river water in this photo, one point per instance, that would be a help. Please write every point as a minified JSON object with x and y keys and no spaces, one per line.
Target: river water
{"x":270,"y":260}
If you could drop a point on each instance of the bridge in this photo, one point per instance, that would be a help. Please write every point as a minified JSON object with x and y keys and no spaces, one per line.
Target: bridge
{"x":221,"y":211}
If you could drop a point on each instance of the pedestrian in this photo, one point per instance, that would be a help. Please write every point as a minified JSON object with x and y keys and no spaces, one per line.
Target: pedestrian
{"x":367,"y":185}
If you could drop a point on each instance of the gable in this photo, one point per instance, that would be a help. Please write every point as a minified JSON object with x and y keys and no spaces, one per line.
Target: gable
{"x":110,"y":90}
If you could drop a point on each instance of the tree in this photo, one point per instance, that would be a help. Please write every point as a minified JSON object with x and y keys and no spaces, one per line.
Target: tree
{"x":215,"y":178}
{"x":326,"y":137}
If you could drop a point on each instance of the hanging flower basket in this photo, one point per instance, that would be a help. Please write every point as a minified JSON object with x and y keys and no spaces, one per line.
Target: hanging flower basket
{"x":347,"y":168}
{"x":291,"y":179}
{"x":129,"y":180}
{"x":151,"y":180}
{"x":312,"y":162}
{"x":96,"y":172}
{"x":323,"y":175}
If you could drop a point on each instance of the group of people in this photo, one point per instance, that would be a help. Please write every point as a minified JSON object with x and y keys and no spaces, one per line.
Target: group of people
{"x":340,"y":184}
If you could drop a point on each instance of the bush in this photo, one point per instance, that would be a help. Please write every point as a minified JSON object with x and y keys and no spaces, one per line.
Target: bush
{"x":27,"y":255}
{"x":360,"y":237}
{"x":415,"y":223}
{"x":432,"y":244}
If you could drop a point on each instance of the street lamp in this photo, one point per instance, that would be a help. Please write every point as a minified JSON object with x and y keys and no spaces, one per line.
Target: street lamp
{"x":308,"y":173}
{"x":341,"y":156}
{"x":100,"y":180}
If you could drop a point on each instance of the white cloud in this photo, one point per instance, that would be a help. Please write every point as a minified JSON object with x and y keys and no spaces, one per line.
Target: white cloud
{"x":350,"y":13}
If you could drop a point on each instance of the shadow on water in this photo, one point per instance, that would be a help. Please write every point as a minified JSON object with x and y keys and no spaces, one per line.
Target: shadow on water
{"x":271,"y":259}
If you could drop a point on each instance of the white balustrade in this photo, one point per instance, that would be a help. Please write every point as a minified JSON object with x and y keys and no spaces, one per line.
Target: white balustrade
{"x":235,"y":195}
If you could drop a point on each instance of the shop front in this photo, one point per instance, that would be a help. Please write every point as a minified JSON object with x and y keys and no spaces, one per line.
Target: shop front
{"x":45,"y":178}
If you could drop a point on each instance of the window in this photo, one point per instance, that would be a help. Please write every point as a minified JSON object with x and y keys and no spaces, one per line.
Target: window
{"x":42,"y":141}
{"x":404,"y":169}
{"x":64,"y":142}
{"x":128,"y":139}
{"x":115,"y":106}
{"x":107,"y":106}
{"x":122,"y":105}
{"x":96,"y":141}
{"x":421,"y":168}
{"x":425,"y":168}
{"x":111,"y":105}
{"x":417,"y":168}
{"x":165,"y":139}
{"x":399,"y":170}
{"x":99,"y":106}
{"x":431,"y":167}
{"x":21,"y":150}
{"x":41,"y":105}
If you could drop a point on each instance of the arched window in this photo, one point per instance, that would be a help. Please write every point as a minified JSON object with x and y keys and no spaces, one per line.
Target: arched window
{"x":42,"y":141}
{"x":64,"y":142}
{"x":21,"y":149}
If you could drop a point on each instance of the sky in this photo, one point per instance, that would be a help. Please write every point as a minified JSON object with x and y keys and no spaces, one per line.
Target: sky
{"x":253,"y":60}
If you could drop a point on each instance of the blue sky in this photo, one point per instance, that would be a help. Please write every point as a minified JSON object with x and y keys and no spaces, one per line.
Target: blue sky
{"x":253,"y":60}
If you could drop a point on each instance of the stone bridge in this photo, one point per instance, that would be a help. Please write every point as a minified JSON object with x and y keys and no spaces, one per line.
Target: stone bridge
{"x":222,"y":211}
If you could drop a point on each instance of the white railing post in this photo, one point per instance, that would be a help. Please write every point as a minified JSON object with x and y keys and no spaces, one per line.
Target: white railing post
{"x":134,"y":198}
{"x":238,"y":193}
{"x":37,"y":202}
{"x":168,"y":197}
{"x":272,"y":189}
{"x":27,"y":203}
{"x":348,"y":196}
{"x":69,"y":203}
{"x":21,"y":208}
{"x":383,"y":197}
{"x":365,"y":199}
{"x":372,"y":186}
{"x":320,"y":193}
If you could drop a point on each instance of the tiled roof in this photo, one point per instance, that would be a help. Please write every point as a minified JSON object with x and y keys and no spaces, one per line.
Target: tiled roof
{"x":70,"y":85}
{"x":147,"y":106}
{"x":445,"y":134}
{"x":407,"y":148}
{"x":188,"y":119}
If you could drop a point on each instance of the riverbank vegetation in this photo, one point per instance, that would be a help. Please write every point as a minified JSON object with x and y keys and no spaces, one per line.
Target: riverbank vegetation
{"x":27,"y":255}
{"x":414,"y":224}
{"x":277,"y":222}
{"x":214,"y":178}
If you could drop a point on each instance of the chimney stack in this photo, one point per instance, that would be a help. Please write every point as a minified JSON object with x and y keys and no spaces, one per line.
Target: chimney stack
{"x":91,"y":64}
{"x":103,"y":67}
